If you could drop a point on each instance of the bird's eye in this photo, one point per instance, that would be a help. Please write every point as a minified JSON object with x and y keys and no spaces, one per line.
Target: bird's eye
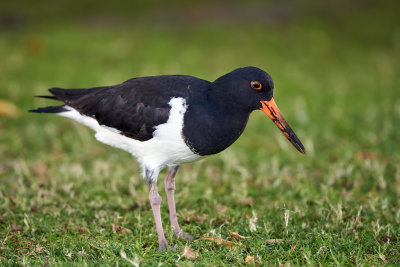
{"x":256,"y":85}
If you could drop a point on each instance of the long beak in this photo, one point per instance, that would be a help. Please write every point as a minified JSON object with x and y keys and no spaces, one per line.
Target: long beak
{"x":271,"y":109}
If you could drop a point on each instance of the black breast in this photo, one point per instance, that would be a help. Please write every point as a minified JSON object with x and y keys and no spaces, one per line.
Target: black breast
{"x":209,"y":129}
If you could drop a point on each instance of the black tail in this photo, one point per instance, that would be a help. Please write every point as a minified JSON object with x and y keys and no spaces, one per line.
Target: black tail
{"x":68,"y":96}
{"x":46,"y":96}
{"x":56,"y":109}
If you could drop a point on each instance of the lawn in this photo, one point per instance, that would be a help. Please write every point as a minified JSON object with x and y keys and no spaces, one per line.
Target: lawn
{"x":66,"y":199}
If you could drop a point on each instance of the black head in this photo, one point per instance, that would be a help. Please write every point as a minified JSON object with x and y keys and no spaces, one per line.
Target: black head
{"x":245,"y":88}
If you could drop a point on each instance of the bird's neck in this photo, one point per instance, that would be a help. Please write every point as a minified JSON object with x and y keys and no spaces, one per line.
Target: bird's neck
{"x":211,"y":128}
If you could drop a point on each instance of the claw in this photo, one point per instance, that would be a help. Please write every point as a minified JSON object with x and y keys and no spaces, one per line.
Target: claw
{"x":185,"y":235}
{"x":162,"y":245}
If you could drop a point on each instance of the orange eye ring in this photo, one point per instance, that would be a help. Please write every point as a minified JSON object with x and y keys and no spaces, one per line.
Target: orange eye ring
{"x":256,"y":85}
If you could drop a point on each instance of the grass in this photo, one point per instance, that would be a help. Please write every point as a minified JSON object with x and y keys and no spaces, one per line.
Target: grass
{"x":336,"y":81}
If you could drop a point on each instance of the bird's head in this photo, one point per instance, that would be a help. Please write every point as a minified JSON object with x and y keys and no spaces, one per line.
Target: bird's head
{"x":251,"y":88}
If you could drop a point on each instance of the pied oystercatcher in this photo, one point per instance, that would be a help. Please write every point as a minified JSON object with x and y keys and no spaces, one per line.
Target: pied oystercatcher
{"x":166,"y":120}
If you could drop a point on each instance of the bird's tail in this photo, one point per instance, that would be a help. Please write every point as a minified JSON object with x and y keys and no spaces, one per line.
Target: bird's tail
{"x":51,"y":109}
{"x":68,"y":96}
{"x":56,"y":109}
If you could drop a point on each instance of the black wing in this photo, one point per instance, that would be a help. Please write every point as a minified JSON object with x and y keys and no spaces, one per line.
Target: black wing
{"x":134,"y":107}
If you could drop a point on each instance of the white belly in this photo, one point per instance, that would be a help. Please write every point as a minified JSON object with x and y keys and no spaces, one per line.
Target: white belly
{"x":166,"y":148}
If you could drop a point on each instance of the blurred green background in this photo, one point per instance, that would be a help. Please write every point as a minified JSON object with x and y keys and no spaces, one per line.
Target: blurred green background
{"x":335,"y":66}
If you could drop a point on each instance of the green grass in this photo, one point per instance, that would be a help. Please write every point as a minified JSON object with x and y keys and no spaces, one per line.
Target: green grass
{"x":336,"y":73}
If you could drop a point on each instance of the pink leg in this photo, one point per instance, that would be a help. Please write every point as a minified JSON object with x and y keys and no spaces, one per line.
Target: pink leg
{"x":170,"y":189}
{"x":155,"y":201}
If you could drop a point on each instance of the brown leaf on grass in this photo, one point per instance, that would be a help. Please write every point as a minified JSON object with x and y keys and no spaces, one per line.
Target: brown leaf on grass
{"x":8,"y":109}
{"x":362,"y":155}
{"x":249,"y":259}
{"x":221,"y":209}
{"x":252,"y":260}
{"x":274,"y":241}
{"x":4,"y":259}
{"x":218,"y":222}
{"x":190,"y":254}
{"x":81,"y":229}
{"x":93,"y":247}
{"x":34,"y":209}
{"x":8,"y":237}
{"x":39,"y":249}
{"x":368,"y":155}
{"x":247,"y":201}
{"x":16,"y":228}
{"x":191,"y":215}
{"x":387,"y":238}
{"x":120,"y":229}
{"x":389,"y":260}
{"x":226,"y":243}
{"x":237,"y":236}
{"x":26,"y":244}
{"x":41,"y":170}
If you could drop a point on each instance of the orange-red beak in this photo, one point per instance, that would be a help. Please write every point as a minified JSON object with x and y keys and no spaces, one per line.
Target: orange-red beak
{"x":271,"y":109}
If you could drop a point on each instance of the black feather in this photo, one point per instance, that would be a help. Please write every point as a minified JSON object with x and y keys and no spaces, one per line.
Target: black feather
{"x":56,"y":109}
{"x":134,"y":107}
{"x":46,"y":96}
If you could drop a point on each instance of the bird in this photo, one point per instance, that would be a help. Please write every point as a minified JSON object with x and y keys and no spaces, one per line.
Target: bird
{"x":167,"y":120}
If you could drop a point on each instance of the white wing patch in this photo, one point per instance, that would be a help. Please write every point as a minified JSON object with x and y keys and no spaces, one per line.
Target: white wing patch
{"x":166,"y":148}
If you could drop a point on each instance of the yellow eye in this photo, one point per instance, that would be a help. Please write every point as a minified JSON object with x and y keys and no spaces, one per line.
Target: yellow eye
{"x":256,"y":85}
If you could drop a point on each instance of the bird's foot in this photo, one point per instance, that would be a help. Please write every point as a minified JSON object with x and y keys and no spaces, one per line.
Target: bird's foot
{"x":163,"y":245}
{"x":181,"y":234}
